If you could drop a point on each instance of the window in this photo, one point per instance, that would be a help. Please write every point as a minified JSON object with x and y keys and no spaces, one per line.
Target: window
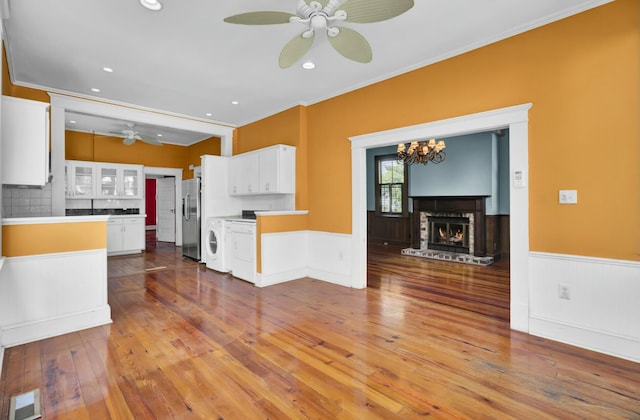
{"x":391,"y":186}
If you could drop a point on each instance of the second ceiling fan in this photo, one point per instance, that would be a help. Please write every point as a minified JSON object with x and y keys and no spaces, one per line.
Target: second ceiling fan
{"x":130,"y":137}
{"x":322,"y":15}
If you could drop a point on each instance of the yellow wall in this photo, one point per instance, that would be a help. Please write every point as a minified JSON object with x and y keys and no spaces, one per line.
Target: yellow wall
{"x":210,"y":146}
{"x":288,"y":127}
{"x":18,"y":240}
{"x":99,"y":148}
{"x":580,"y":73}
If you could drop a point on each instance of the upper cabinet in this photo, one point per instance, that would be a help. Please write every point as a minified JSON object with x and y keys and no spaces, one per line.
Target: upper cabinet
{"x":80,"y":179}
{"x":103,"y":180}
{"x":119,"y":180}
{"x":244,"y":174}
{"x":271,"y":170}
{"x":277,"y":170}
{"x":25,"y":142}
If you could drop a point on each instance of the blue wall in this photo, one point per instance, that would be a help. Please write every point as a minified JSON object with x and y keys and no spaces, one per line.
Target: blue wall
{"x":476,"y":164}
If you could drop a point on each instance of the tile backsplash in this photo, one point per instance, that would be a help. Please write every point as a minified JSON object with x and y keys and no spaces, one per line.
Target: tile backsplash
{"x":26,"y":202}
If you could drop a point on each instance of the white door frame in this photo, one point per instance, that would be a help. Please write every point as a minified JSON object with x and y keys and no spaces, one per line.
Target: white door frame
{"x":515,"y":118}
{"x":151,"y":171}
{"x":169,"y":199}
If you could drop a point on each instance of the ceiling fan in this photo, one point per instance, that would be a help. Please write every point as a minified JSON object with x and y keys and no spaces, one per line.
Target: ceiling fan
{"x":130,"y":137}
{"x":322,"y":15}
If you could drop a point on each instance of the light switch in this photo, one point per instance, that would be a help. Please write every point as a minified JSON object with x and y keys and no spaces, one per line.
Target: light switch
{"x":568,"y":197}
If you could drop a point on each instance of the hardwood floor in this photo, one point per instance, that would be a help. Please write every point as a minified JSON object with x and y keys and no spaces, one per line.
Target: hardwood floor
{"x":426,"y":338}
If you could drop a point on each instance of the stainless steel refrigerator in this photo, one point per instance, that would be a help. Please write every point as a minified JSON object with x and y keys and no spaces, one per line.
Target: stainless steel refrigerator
{"x":191,"y":218}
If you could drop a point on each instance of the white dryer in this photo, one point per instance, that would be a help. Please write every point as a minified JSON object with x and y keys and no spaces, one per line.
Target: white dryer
{"x":215,"y":245}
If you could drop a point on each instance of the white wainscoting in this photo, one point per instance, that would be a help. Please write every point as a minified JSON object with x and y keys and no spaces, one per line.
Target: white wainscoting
{"x":292,"y":255}
{"x":46,"y":295}
{"x":330,"y":257}
{"x":603,"y":312}
{"x":284,"y":257}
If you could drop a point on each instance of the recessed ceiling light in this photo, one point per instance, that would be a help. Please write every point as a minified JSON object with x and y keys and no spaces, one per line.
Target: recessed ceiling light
{"x":107,"y":69}
{"x":96,"y":90}
{"x":159,"y":135}
{"x":208,"y":114}
{"x":234,"y":102}
{"x":151,"y":4}
{"x":73,"y":122}
{"x":308,"y":65}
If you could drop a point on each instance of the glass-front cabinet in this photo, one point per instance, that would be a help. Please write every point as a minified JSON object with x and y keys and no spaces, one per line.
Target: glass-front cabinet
{"x":81,"y":179}
{"x":131,"y":182}
{"x":119,"y":181}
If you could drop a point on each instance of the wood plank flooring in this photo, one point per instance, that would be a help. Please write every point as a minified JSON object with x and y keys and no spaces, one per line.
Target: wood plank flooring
{"x":426,"y":338}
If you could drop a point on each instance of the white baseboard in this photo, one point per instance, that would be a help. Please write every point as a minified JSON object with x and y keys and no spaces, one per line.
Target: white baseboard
{"x":264,"y":280}
{"x":601,"y":313}
{"x":600,"y":341}
{"x":13,"y":335}
{"x":330,"y":277}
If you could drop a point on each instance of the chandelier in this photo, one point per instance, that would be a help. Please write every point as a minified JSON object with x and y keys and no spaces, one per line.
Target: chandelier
{"x":422,"y":152}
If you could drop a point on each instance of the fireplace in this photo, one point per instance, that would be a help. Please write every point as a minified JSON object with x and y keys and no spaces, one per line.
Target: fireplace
{"x":448,"y":234}
{"x":455,"y":224}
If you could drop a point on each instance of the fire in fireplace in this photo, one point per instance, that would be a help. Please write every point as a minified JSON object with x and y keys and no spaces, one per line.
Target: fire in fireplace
{"x":449,"y":234}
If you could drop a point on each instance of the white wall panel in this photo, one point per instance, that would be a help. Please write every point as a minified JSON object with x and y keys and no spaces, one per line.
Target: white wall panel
{"x":46,"y":295}
{"x":330,"y":257}
{"x":602,"y":312}
{"x":284,"y":257}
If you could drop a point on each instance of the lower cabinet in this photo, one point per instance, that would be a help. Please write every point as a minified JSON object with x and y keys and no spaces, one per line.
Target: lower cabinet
{"x":125,"y":235}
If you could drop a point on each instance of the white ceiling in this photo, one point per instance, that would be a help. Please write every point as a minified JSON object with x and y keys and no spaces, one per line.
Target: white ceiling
{"x":186,"y":61}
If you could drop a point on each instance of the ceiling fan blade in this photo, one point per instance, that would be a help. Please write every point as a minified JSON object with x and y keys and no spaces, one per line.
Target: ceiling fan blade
{"x":260,"y":18}
{"x":150,"y":140}
{"x":352,"y":45}
{"x":294,"y":50}
{"x":367,"y":11}
{"x":128,"y":141}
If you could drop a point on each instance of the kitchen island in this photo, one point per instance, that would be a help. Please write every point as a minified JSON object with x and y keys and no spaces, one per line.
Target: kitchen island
{"x":54,"y":277}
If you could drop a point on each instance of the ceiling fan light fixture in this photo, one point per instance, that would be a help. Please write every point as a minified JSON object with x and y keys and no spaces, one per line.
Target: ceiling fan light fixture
{"x":154,"y":5}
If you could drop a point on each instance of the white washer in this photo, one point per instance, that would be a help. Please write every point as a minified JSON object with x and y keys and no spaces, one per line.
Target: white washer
{"x":215,"y":244}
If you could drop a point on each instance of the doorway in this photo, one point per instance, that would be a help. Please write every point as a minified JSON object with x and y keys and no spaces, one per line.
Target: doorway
{"x":514,"y":118}
{"x":168,"y":184}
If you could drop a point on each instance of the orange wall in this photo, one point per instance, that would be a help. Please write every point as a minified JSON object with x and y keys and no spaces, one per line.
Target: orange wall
{"x":17,"y":240}
{"x":99,"y":148}
{"x":580,"y":73}
{"x":288,"y":127}
{"x":210,"y":146}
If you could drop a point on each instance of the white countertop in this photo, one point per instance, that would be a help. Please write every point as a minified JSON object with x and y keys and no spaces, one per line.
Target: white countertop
{"x":55,"y":219}
{"x":281,"y":212}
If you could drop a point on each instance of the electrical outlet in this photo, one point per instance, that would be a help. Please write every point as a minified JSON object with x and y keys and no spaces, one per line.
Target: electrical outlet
{"x":568,"y":197}
{"x":563,"y":291}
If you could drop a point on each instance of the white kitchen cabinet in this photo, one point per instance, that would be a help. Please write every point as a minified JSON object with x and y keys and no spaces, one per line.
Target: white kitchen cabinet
{"x":80,"y":179}
{"x":125,"y":235}
{"x":25,"y":142}
{"x":277,"y":170}
{"x":271,"y":170}
{"x":119,"y":181}
{"x":244,"y":174}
